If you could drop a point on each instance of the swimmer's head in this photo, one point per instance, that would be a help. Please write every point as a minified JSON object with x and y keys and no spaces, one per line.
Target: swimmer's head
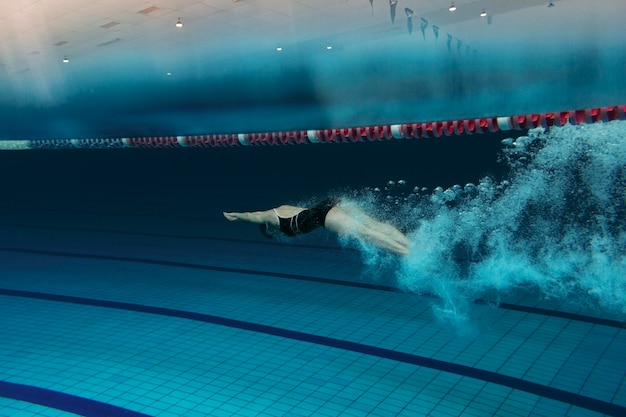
{"x":268,"y":231}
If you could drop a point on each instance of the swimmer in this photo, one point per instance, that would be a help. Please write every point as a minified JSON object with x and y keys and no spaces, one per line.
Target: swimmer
{"x":343,"y":219}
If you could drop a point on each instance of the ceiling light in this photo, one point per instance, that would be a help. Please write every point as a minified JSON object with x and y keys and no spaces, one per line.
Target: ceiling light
{"x":452,"y":8}
{"x":179,"y":24}
{"x":483,"y":13}
{"x":550,"y":4}
{"x":329,"y":47}
{"x":66,"y":60}
{"x":279,"y":49}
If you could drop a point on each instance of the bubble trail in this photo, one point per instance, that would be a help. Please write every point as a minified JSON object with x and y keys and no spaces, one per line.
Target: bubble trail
{"x":556,"y":224}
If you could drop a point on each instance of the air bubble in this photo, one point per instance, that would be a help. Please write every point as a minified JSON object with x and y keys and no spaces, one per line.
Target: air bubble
{"x":555,"y":225}
{"x":469,"y":188}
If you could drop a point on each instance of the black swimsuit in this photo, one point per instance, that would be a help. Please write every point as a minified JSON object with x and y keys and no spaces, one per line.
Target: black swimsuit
{"x":307,"y":220}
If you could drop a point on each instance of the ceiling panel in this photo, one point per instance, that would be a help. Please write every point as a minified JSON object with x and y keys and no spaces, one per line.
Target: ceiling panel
{"x":242,"y":36}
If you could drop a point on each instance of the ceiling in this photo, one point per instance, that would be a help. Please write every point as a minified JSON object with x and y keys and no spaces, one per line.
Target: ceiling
{"x":131,"y":71}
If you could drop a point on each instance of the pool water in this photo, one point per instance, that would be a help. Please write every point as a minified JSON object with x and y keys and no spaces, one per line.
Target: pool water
{"x":125,"y":292}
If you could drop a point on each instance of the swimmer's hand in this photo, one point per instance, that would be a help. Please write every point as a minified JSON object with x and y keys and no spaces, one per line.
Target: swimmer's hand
{"x":231,"y":216}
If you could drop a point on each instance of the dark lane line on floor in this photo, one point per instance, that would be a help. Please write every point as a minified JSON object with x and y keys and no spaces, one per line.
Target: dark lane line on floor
{"x":64,"y":402}
{"x":463,"y":370}
{"x":181,"y":237}
{"x":200,"y":267}
{"x":505,"y":306}
{"x":149,"y":213}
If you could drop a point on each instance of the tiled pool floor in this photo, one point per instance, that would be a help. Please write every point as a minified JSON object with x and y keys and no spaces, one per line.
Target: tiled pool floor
{"x":121,"y":314}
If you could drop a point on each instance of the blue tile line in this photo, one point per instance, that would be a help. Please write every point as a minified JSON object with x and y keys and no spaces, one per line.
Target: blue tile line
{"x":65,"y":402}
{"x":506,"y":306}
{"x":463,"y":370}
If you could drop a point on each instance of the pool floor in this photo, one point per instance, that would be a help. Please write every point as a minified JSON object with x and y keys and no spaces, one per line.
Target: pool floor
{"x":172,"y":311}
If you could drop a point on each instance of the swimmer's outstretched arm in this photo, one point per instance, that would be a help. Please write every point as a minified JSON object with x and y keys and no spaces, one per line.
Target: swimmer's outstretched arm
{"x":265,"y":216}
{"x":257,"y":217}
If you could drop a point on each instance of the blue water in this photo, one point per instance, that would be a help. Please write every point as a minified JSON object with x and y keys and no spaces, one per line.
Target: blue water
{"x":486,"y":214}
{"x":124,"y":287}
{"x":554,"y":222}
{"x":94,"y":240}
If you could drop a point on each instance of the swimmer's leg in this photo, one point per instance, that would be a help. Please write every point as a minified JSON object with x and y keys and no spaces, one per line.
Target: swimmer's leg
{"x":382,"y":240}
{"x":354,"y":223}
{"x":367,"y":221}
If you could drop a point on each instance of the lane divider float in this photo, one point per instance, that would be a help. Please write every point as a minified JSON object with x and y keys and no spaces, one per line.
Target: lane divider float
{"x":337,"y":135}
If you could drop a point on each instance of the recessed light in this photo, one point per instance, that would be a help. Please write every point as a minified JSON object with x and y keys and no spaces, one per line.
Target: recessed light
{"x":109,"y":25}
{"x":149,"y":10}
{"x":179,"y":24}
{"x":66,"y":60}
{"x":279,"y":49}
{"x":452,"y":8}
{"x":168,"y":74}
{"x":329,"y":47}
